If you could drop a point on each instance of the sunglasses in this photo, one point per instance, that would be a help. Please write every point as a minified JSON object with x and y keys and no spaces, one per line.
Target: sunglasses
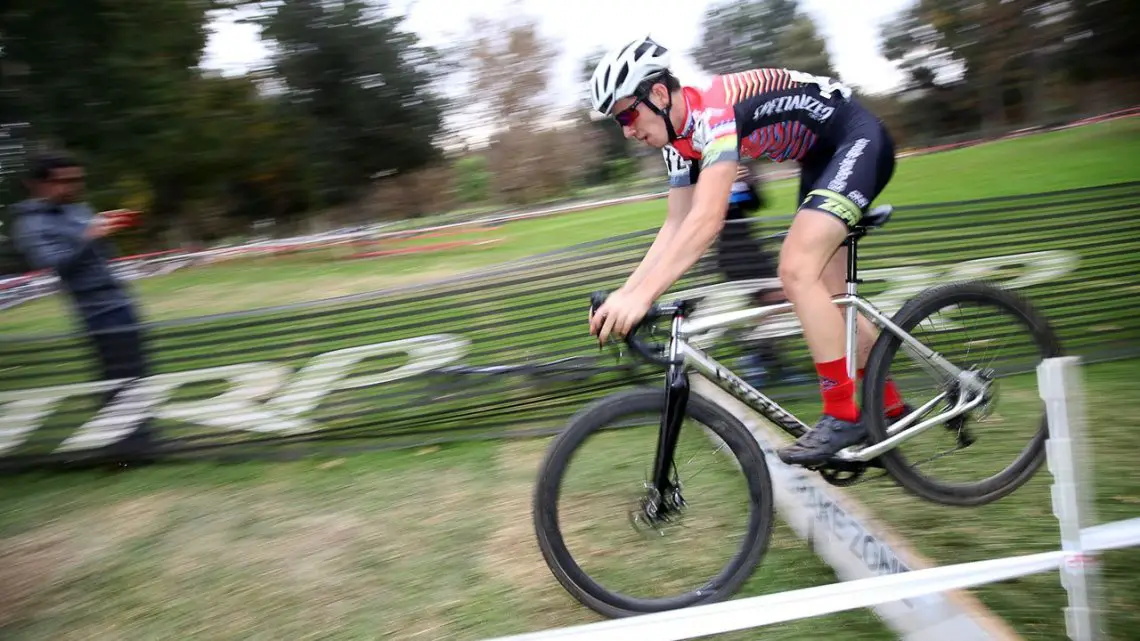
{"x":626,"y":117}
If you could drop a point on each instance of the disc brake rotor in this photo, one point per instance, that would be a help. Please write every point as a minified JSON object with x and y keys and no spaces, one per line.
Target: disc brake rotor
{"x":653,"y":516}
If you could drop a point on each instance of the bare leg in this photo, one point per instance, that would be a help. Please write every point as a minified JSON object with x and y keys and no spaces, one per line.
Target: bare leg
{"x":811,"y":267}
{"x":811,"y":243}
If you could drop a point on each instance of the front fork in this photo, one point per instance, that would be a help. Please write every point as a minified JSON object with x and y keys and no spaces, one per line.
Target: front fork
{"x":676,"y":403}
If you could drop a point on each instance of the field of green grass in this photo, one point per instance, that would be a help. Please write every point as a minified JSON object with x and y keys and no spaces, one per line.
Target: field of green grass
{"x":436,"y":543}
{"x":1094,"y":155}
{"x":430,"y":544}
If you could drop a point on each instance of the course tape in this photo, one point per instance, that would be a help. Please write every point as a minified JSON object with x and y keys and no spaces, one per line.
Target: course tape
{"x":741,"y":614}
{"x":844,"y":535}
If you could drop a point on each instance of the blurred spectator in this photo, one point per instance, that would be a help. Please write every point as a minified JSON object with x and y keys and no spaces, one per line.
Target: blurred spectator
{"x":55,"y":230}
{"x":742,"y":256}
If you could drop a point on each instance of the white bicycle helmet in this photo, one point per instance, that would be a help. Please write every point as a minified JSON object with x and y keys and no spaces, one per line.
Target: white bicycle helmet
{"x":623,"y":69}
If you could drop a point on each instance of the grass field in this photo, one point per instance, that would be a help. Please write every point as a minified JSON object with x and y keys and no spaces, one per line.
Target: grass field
{"x":433,"y":544}
{"x":436,"y":543}
{"x":1093,"y":155}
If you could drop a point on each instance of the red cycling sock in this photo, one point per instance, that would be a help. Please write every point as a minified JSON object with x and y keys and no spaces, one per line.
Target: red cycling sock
{"x":892,"y":400}
{"x":838,"y":390}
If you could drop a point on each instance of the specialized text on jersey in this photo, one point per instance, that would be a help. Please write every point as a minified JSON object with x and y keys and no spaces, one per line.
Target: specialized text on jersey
{"x":775,"y":113}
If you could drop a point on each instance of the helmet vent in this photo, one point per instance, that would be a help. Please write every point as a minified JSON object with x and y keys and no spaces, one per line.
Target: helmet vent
{"x":623,"y":73}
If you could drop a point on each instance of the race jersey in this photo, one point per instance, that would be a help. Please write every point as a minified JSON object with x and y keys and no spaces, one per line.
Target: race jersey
{"x":775,"y":113}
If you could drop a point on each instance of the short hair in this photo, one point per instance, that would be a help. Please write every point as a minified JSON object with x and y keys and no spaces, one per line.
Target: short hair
{"x":665,"y":77}
{"x":41,"y":165}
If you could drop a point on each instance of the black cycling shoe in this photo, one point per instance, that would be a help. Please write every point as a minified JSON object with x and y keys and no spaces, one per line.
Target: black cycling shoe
{"x":826,"y":439}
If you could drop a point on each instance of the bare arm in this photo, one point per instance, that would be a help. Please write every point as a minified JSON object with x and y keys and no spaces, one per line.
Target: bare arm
{"x":689,"y":240}
{"x":679,"y":204}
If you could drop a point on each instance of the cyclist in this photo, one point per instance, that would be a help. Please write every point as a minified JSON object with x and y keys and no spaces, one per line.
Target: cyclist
{"x":846,"y":158}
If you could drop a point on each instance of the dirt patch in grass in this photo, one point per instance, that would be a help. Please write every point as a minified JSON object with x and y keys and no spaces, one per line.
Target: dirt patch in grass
{"x":511,"y":554}
{"x":511,"y":551}
{"x":31,"y":563}
{"x":27,"y":565}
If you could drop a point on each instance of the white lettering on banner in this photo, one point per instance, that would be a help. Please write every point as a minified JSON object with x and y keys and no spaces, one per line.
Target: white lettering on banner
{"x":22,"y":411}
{"x":265,"y":397}
{"x":903,"y":284}
{"x":242,"y":406}
{"x":1046,"y":265}
{"x":145,"y":397}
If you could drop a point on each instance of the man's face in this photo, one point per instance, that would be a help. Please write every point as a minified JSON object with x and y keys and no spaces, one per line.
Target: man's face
{"x":65,"y":185}
{"x":643,"y":124}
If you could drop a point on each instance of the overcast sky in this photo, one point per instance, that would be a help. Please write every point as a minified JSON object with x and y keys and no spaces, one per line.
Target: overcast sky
{"x":849,"y":27}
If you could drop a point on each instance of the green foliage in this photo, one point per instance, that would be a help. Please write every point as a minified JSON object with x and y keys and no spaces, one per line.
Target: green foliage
{"x":362,"y":83}
{"x":736,"y":36}
{"x":351,"y":96}
{"x":1015,"y":62}
{"x":614,"y":149}
{"x":472,"y":180}
{"x":117,"y":82}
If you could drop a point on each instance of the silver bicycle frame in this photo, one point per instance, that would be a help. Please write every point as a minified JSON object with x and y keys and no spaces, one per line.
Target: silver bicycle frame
{"x":694,"y":358}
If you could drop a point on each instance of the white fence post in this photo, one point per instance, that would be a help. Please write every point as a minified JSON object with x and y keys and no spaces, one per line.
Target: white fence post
{"x":1061,"y":388}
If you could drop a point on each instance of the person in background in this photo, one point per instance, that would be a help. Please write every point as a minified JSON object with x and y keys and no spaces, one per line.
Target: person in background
{"x":56,"y":230}
{"x":741,"y":256}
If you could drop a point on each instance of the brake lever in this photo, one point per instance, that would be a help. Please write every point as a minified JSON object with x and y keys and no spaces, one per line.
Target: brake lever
{"x":598,"y":298}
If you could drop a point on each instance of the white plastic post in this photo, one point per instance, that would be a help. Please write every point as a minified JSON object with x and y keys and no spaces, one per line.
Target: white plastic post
{"x":1061,"y":388}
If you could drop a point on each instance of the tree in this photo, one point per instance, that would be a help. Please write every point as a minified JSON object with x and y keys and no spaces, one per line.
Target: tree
{"x":510,"y":66}
{"x":472,"y":179}
{"x":994,"y":46}
{"x":1104,"y":36}
{"x":803,"y":49}
{"x":363,"y":84}
{"x":740,"y":35}
{"x":116,"y":82}
{"x":611,"y":162}
{"x":100,"y":77}
{"x":533,"y":153}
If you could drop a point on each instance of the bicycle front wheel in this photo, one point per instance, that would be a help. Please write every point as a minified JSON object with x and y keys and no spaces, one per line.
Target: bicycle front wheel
{"x":591,"y":521}
{"x":978,"y":327}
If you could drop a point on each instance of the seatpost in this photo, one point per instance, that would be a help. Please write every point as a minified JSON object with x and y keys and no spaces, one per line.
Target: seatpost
{"x":852,"y":243}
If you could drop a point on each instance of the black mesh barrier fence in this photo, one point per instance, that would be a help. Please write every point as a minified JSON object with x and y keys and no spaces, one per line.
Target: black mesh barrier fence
{"x":506,"y":350}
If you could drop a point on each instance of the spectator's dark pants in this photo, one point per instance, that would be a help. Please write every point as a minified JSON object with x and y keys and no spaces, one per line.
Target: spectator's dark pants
{"x":118,"y":342}
{"x":740,"y":255}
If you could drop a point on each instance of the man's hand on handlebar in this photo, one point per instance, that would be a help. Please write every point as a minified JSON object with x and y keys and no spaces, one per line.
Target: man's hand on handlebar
{"x":618,"y":315}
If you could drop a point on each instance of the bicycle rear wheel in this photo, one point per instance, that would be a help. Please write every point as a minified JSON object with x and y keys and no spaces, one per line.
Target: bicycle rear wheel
{"x":601,"y":576}
{"x":995,"y":347}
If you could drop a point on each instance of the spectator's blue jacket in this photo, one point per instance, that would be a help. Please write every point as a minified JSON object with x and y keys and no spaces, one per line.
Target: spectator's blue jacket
{"x":52,"y":237}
